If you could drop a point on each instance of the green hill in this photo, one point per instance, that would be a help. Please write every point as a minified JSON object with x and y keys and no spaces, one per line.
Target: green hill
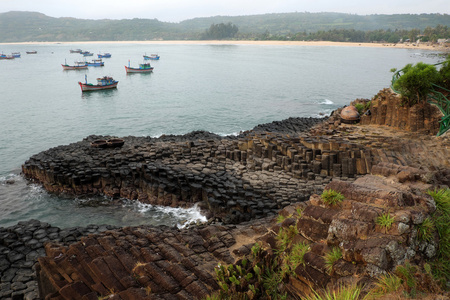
{"x":32,"y":26}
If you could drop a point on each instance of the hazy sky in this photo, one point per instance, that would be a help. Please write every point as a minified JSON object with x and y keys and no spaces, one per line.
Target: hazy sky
{"x":178,"y":10}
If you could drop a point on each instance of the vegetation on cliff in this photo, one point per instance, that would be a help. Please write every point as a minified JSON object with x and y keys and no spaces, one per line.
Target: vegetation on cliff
{"x":265,"y":272}
{"x":415,"y":82}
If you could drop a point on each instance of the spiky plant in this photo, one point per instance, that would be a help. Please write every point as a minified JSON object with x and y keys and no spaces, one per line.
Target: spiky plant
{"x":332,"y":197}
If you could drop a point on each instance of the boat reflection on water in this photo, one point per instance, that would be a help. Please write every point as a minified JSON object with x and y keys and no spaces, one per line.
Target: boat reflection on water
{"x":101,"y":94}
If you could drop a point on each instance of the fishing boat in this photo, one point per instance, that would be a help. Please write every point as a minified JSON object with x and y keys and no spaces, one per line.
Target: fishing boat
{"x":31,"y":52}
{"x":87,"y":53}
{"x":79,"y":65}
{"x":95,"y":63}
{"x":104,"y":55}
{"x":76,"y":51}
{"x":4,"y":56}
{"x":103,"y":83}
{"x":143,"y":68}
{"x":151,"y":56}
{"x":16,"y":54}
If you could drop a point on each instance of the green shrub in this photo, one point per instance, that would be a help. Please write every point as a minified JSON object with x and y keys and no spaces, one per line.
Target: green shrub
{"x":360,"y":108}
{"x":332,"y":197}
{"x":258,"y":276}
{"x":441,"y":220}
{"x":416,"y":82}
{"x":442,"y":199}
{"x":445,"y":73}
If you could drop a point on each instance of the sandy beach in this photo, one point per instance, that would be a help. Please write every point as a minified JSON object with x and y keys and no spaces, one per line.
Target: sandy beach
{"x":424,"y":46}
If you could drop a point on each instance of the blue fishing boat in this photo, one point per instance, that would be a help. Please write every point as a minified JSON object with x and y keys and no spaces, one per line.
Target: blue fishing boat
{"x":4,"y":56}
{"x":151,"y":57}
{"x":104,"y":55}
{"x":16,"y":54}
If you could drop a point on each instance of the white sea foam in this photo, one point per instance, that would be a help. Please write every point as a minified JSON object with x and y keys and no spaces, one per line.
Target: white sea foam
{"x":19,"y":184}
{"x":9,"y":179}
{"x":183,"y":216}
{"x":322,"y":114}
{"x":157,"y":135}
{"x":229,"y":134}
{"x":327,"y":102}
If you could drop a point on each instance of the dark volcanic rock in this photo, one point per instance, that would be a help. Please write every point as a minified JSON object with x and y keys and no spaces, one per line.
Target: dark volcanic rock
{"x":141,"y":262}
{"x":19,"y":251}
{"x":234,"y":178}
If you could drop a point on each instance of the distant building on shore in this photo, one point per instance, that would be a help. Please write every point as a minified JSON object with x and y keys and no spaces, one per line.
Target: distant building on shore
{"x":443,"y":42}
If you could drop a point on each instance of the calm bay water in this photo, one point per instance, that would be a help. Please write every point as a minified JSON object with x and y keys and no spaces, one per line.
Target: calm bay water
{"x":218,"y":88}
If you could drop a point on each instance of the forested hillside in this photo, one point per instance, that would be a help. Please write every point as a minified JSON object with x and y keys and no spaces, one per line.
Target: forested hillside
{"x":33,"y":26}
{"x":311,"y":22}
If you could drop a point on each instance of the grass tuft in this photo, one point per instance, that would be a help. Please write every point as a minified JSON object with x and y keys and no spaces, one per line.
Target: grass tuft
{"x":441,"y":220}
{"x":386,"y":284}
{"x":297,"y":254}
{"x":285,"y":236}
{"x":331,"y":257}
{"x":332,"y":197}
{"x":385,"y":221}
{"x":280,"y":219}
{"x":342,"y":293}
{"x":425,"y":230}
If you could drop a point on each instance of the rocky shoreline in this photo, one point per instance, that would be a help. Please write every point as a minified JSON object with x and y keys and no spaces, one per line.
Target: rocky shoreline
{"x":235,"y":179}
{"x":382,"y":165}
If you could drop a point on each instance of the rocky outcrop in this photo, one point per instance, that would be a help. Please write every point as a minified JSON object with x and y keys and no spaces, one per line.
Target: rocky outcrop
{"x":368,"y":248}
{"x":235,"y":179}
{"x":379,"y":169}
{"x":387,"y":108}
{"x":164,"y":263}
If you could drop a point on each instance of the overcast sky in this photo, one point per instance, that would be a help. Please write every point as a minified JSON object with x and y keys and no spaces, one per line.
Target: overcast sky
{"x":179,"y":10}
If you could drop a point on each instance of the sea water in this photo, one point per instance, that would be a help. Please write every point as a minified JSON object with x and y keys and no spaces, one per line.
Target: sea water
{"x":223,"y":89}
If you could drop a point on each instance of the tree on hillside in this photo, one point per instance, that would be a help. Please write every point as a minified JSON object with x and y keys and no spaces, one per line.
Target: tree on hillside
{"x":417,"y":81}
{"x":220,"y":31}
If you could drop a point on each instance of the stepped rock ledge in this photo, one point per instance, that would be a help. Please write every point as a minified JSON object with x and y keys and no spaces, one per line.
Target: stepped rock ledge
{"x":383,"y":164}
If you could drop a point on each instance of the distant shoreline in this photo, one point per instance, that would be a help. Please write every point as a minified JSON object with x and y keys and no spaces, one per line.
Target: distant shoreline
{"x":269,"y":43}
